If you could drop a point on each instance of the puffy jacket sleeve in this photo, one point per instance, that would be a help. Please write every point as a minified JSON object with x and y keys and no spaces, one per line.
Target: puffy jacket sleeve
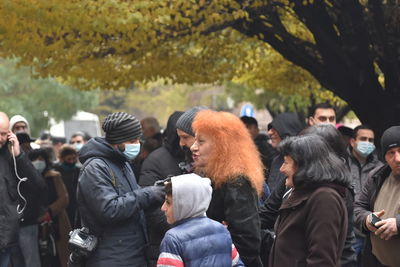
{"x":106,"y":204}
{"x":241,"y":215}
{"x":236,"y":261}
{"x":170,"y":252}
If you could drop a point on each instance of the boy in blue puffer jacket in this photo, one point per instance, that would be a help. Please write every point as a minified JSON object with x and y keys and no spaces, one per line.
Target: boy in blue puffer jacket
{"x":194,"y":240}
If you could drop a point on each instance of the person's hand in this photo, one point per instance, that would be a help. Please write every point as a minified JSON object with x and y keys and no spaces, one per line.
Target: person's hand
{"x":158,"y":194}
{"x":386,"y":228}
{"x":368,"y":223}
{"x":12,"y":138}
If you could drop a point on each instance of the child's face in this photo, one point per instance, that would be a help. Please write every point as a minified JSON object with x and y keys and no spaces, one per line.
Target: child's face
{"x":167,"y":208}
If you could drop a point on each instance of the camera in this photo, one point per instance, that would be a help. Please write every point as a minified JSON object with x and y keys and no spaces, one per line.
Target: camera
{"x":81,"y":242}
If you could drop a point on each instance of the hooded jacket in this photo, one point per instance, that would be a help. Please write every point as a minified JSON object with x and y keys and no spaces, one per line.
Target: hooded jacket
{"x":286,"y":124}
{"x":165,"y":160}
{"x":195,"y":240}
{"x":111,"y":205}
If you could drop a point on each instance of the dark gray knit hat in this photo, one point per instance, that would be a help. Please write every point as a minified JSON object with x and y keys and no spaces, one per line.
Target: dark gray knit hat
{"x":185,"y":121}
{"x":390,"y":139}
{"x":121,"y":127}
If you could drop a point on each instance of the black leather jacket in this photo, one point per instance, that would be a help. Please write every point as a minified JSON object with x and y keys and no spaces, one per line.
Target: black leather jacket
{"x":236,"y":203}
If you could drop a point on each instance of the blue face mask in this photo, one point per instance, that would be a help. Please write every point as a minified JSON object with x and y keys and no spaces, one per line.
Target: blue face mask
{"x":78,"y":146}
{"x":131,"y":151}
{"x":364,"y":149}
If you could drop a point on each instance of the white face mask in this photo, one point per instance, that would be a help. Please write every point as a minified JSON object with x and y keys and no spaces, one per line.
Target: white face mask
{"x":39,"y":165}
{"x":78,"y":146}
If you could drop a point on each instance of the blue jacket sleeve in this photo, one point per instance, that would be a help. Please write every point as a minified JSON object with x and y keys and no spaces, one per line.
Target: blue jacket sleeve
{"x":170,"y":252}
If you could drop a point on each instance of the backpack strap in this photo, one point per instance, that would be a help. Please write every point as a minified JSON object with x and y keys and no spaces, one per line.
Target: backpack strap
{"x":78,"y":219}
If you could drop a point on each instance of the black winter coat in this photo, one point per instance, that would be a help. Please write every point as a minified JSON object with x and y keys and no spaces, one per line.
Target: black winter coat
{"x":9,"y":199}
{"x":267,"y":152}
{"x":158,"y":165}
{"x":111,"y":205}
{"x":236,"y":203}
{"x":274,"y":175}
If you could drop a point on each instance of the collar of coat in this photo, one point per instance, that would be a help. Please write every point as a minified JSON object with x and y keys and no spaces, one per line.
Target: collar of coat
{"x":302,"y":194}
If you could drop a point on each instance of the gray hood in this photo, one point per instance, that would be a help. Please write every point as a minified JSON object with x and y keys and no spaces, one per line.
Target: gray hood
{"x":191,"y":196}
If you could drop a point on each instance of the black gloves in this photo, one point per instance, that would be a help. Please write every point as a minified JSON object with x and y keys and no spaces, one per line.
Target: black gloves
{"x":152,"y":197}
{"x":158,"y":194}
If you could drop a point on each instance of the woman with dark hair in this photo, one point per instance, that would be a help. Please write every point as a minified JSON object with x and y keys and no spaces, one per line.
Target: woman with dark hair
{"x":269,"y":212}
{"x":334,"y":139}
{"x":54,"y":218}
{"x":225,"y":152}
{"x":312,"y":222}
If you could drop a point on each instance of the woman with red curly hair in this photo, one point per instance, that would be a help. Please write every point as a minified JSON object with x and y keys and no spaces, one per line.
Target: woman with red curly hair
{"x":225,"y":152}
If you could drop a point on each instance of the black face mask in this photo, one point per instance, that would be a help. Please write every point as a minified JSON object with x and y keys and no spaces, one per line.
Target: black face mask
{"x":68,"y":166}
{"x":188,"y":154}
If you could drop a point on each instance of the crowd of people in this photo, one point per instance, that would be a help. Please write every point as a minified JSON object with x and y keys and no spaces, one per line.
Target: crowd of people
{"x":210,"y":189}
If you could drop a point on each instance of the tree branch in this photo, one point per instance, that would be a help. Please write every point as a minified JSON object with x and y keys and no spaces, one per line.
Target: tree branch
{"x":271,"y":30}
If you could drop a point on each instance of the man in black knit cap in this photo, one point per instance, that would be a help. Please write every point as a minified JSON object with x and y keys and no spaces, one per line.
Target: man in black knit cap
{"x":186,"y":135}
{"x":110,"y":202}
{"x":377,"y":208}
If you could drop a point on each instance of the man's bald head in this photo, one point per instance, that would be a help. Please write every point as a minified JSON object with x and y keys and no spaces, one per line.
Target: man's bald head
{"x":4,"y":128}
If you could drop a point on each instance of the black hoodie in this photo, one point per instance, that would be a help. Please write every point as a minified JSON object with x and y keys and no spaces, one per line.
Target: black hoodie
{"x":286,"y":124}
{"x":164,"y":160}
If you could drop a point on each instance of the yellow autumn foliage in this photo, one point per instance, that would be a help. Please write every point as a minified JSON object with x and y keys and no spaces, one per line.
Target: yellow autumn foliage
{"x":112,"y":44}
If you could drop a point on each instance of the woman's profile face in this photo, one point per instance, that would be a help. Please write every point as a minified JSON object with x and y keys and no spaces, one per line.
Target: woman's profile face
{"x":201,"y":150}
{"x":288,"y":168}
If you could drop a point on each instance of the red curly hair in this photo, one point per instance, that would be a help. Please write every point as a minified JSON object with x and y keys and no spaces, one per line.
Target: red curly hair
{"x":234,"y":153}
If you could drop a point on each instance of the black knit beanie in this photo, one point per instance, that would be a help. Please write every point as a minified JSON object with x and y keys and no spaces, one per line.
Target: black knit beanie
{"x":185,"y":121}
{"x":390,"y":139}
{"x":121,"y":127}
